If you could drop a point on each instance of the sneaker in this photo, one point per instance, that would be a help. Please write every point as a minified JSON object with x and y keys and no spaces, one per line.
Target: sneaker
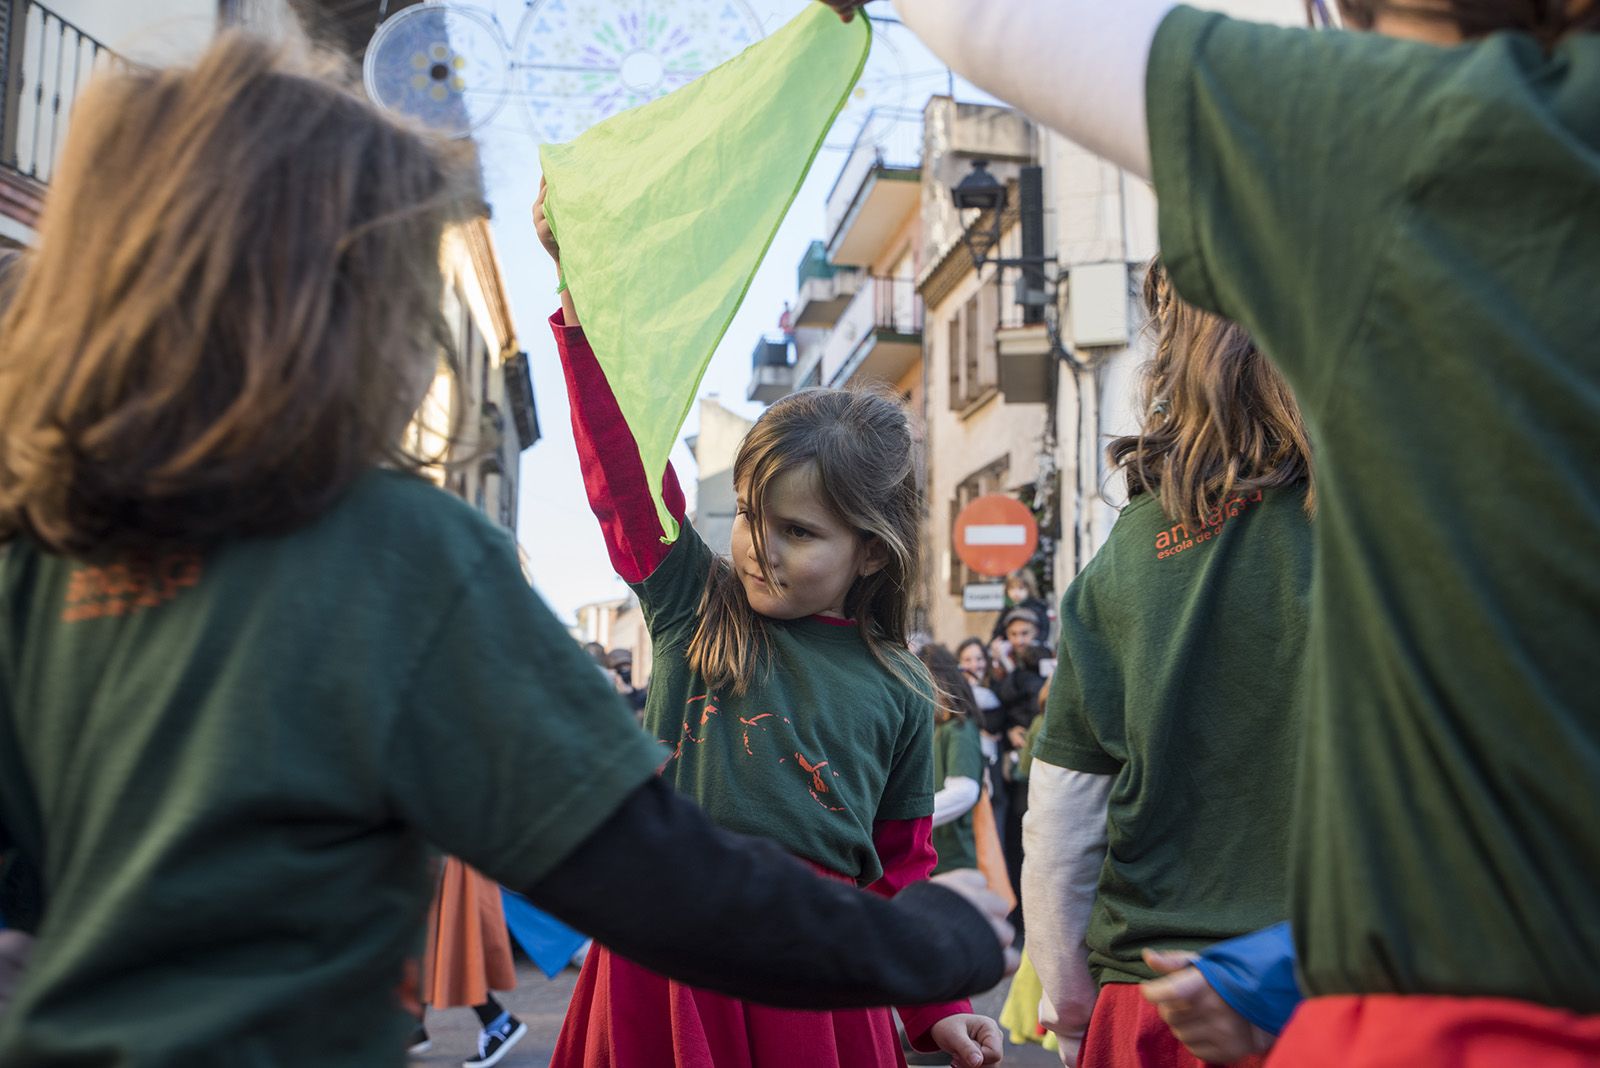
{"x":496,"y":1040}
{"x":419,"y":1042}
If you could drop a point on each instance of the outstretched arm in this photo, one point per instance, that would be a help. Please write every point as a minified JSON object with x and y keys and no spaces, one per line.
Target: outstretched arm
{"x":663,"y":886}
{"x":1079,"y":68}
{"x":905,"y":849}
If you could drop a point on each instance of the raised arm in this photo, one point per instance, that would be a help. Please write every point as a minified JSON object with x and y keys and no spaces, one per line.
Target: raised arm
{"x":613,"y":472}
{"x":614,"y":477}
{"x":1078,"y":68}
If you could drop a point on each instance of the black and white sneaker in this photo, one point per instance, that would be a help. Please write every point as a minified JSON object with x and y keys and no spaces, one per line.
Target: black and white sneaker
{"x":496,"y":1040}
{"x":419,"y":1043}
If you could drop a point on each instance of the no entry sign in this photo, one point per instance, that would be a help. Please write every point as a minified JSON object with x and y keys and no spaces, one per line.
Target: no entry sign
{"x":996,"y":534}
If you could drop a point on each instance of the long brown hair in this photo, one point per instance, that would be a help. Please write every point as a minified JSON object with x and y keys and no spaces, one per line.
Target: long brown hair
{"x":953,"y":697}
{"x":1548,"y":20}
{"x":860,"y":446}
{"x":233,"y":308}
{"x":1219,"y":419}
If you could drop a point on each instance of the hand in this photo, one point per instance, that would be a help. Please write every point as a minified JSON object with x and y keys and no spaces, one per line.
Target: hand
{"x":15,"y":949}
{"x":547,"y":238}
{"x":1199,"y":1018}
{"x":845,"y":8}
{"x":971,"y":1040}
{"x":970,"y":884}
{"x":1018,"y":736}
{"x":541,"y":224}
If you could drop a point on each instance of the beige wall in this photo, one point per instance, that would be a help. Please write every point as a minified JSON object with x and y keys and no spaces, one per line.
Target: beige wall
{"x":961,"y":443}
{"x":715,"y":447}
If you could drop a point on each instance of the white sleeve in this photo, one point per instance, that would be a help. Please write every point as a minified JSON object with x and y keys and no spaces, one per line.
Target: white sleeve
{"x":1063,"y":848}
{"x":954,"y":799}
{"x":1077,"y":66}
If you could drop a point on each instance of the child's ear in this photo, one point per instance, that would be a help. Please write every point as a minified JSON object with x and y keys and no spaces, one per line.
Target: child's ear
{"x":874,"y":556}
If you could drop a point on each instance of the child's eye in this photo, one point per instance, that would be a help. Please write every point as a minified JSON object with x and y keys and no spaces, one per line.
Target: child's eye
{"x":798,"y":533}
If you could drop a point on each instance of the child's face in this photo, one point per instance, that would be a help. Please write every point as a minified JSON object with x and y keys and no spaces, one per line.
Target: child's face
{"x":1020,"y":633}
{"x":972,"y":661}
{"x":1017,"y":592}
{"x":814,"y":556}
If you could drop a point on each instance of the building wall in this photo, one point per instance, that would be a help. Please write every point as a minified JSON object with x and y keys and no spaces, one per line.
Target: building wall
{"x":977,"y":442}
{"x":987,"y":446}
{"x":465,"y":422}
{"x":715,"y":448}
{"x":1095,"y":214}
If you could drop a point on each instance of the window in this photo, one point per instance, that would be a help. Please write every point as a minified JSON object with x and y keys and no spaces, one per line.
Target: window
{"x":974,"y":360}
{"x":984,"y":481}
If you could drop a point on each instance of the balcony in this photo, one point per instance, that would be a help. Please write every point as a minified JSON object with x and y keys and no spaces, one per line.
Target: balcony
{"x":824,"y":290}
{"x":879,"y":336}
{"x":879,"y":187}
{"x":44,"y":65}
{"x":771,"y":373}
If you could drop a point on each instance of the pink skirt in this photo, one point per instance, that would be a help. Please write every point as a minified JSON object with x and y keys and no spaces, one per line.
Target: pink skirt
{"x":623,"y":1016}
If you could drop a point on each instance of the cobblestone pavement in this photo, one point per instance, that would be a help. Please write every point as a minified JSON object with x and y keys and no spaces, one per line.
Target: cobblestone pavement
{"x":541,"y":1003}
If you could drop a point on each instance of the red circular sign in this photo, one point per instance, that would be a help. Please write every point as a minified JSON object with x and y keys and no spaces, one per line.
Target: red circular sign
{"x":996,"y":534}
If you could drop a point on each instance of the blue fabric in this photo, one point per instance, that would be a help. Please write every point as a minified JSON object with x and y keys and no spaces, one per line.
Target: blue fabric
{"x":1254,"y":974}
{"x":547,"y":941}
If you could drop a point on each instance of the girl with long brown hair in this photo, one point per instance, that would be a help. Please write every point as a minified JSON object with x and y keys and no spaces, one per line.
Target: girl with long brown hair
{"x":783,"y":695}
{"x":1163,"y":773}
{"x":253,"y":672}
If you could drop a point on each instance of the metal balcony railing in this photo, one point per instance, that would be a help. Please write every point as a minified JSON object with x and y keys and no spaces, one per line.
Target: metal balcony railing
{"x":896,"y":305}
{"x":814,"y":264}
{"x":884,"y":306}
{"x":45,"y":61}
{"x":889,"y":138}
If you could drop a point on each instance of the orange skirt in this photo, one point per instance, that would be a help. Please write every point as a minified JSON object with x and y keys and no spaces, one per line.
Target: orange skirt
{"x":991,"y":860}
{"x":469,"y":949}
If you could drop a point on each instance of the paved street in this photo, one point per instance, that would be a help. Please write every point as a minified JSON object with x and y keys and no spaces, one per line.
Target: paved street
{"x":542,"y":1002}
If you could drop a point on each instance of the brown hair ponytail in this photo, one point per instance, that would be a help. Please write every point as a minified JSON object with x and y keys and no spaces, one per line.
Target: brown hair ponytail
{"x":1219,"y":419}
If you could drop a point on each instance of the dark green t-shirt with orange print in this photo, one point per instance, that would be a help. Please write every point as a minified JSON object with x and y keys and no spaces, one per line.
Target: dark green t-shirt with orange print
{"x":1181,"y":673}
{"x":957,"y":753}
{"x":1412,"y":235}
{"x":236,"y":763}
{"x":820,"y":747}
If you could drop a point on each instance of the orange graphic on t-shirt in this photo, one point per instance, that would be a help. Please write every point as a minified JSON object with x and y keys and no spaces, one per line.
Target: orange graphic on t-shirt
{"x":1179,"y":539}
{"x":123,"y":589}
{"x":818,"y":785}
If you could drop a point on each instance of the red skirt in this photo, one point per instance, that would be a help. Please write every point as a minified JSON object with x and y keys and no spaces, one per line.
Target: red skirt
{"x":1425,"y":1031}
{"x":623,"y":1016}
{"x":1126,"y":1031}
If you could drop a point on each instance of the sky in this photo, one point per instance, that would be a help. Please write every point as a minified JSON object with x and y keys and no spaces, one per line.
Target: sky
{"x":555,"y":527}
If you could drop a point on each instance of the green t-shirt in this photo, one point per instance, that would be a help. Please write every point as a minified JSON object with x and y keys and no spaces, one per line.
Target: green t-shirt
{"x":957,"y":753}
{"x":236,"y":763}
{"x":1181,"y":672}
{"x":1412,"y":234}
{"x":820,"y":747}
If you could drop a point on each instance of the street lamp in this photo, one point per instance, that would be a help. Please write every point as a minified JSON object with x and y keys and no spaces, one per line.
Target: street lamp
{"x":979,"y":192}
